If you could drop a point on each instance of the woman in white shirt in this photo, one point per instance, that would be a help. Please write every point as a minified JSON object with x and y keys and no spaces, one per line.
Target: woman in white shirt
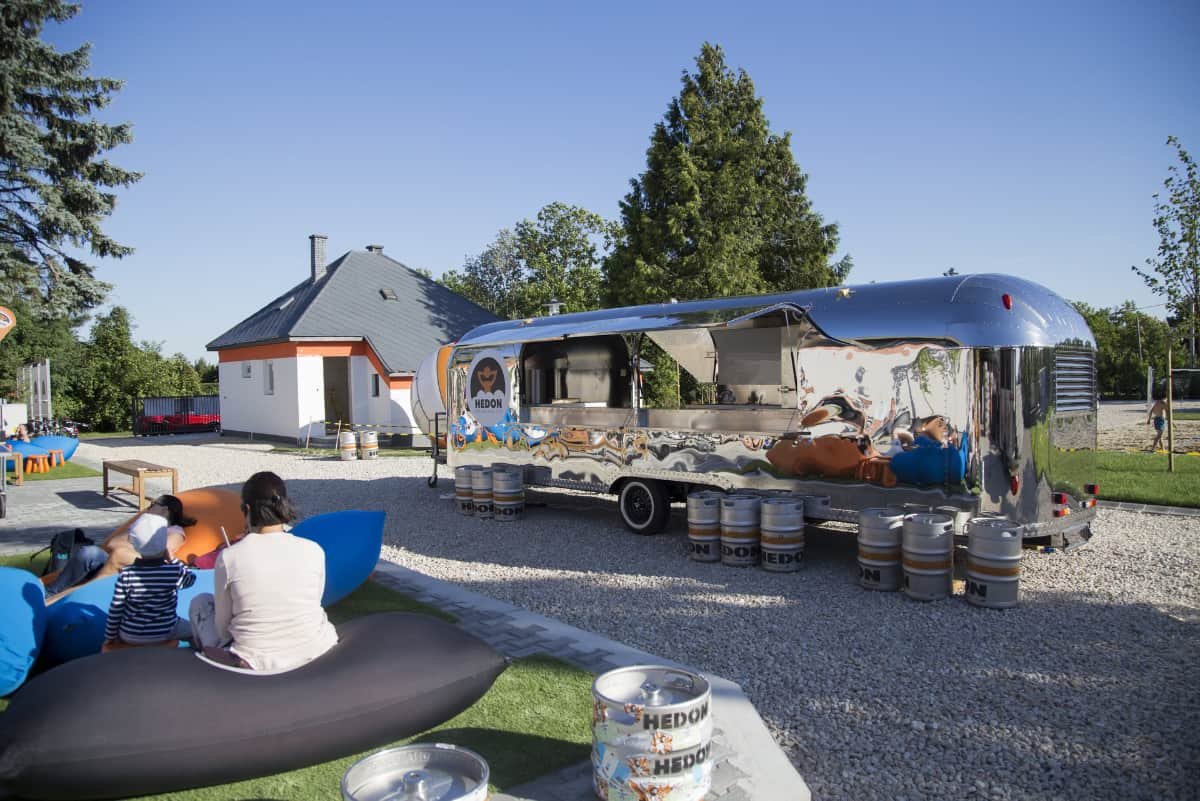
{"x":265,"y":612}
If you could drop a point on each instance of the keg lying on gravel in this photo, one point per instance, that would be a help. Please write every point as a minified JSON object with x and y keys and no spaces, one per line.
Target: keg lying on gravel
{"x":927,"y":553}
{"x":740,"y":541}
{"x":879,"y":533}
{"x":464,"y":498}
{"x":993,"y":562}
{"x":704,"y":525}
{"x":782,"y":534}
{"x":651,"y":734}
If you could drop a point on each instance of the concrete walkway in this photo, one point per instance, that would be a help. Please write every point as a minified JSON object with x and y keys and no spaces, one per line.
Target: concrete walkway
{"x":747,"y":763}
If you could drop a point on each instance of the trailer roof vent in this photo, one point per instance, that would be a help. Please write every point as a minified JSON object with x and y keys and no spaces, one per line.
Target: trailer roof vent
{"x":1074,"y":379}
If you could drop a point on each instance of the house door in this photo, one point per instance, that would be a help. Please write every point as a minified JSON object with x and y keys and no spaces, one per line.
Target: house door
{"x":337,"y":391}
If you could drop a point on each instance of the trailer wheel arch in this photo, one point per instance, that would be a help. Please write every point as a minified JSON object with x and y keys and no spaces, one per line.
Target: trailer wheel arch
{"x":644,"y":504}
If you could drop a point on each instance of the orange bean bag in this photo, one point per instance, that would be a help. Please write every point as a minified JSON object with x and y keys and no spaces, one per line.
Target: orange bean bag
{"x":212,"y":508}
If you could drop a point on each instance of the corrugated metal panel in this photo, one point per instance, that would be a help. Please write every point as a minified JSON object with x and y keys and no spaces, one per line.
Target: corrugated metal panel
{"x":1074,"y":379}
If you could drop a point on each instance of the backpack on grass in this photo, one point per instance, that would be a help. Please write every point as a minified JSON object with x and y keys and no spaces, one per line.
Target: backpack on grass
{"x":62,"y":547}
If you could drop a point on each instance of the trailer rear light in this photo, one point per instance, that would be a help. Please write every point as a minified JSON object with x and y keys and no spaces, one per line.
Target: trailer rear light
{"x":1063,"y":512}
{"x":1006,"y":299}
{"x":1089,"y":503}
{"x":1059,"y":498}
{"x":1091,"y":489}
{"x":1014,"y":485}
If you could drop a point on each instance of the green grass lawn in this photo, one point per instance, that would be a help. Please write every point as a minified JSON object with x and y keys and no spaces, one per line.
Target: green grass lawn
{"x":1143,"y":478}
{"x":535,"y":719}
{"x":104,"y":434}
{"x":1188,"y":415}
{"x":65,"y":470}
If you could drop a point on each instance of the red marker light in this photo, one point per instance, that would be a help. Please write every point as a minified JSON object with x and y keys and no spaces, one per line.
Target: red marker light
{"x":1059,"y":498}
{"x":1014,"y":484}
{"x":1091,"y":489}
{"x":1006,"y":299}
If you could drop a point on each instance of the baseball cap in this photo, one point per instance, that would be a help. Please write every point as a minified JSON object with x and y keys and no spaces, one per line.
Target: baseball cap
{"x":148,"y":534}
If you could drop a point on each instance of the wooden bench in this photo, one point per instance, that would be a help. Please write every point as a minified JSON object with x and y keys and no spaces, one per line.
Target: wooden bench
{"x":139,"y":471}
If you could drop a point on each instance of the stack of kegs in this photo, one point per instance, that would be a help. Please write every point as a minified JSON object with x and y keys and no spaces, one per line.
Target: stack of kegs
{"x":464,"y":498}
{"x":782,"y":534}
{"x":993,"y":562}
{"x":879,"y":534}
{"x":740,"y":537}
{"x":704,"y":525}
{"x":508,"y":493}
{"x":651,"y":734}
{"x":368,"y":445}
{"x":927,"y":554}
{"x":347,"y":446}
{"x":481,"y":491}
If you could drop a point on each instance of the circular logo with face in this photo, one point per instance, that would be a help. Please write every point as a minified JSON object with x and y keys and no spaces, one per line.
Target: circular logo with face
{"x":487,"y":393}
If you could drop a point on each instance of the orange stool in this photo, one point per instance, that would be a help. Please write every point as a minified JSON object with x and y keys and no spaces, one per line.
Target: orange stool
{"x":56,"y":457}
{"x":37,"y":463}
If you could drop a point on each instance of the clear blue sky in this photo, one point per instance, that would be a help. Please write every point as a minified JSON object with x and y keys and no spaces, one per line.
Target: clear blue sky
{"x":1025,"y":138}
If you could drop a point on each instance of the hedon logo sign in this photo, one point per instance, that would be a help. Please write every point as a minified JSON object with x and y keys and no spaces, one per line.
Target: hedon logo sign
{"x":7,"y":321}
{"x":487,"y":390}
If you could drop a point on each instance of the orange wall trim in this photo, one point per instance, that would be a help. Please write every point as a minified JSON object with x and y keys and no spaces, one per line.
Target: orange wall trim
{"x":289,"y":350}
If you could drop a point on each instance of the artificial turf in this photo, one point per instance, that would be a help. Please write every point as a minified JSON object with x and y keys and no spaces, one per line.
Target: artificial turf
{"x":535,"y":719}
{"x":65,"y":470}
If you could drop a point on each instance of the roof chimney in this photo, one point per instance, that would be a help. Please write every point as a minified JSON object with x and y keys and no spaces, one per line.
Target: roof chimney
{"x":318,"y":255}
{"x":374,"y":248}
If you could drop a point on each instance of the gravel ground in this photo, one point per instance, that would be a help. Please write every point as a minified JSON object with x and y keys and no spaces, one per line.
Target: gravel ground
{"x":1084,"y":691}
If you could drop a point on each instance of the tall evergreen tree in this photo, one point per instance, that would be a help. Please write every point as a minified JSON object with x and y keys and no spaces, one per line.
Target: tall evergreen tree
{"x":721,"y":208}
{"x":54,"y":180}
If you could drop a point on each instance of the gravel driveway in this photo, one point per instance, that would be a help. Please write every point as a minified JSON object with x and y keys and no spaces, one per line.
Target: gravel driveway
{"x":1087,"y":690}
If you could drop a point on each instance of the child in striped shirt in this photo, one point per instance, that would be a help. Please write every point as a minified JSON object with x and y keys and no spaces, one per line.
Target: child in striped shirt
{"x":142,"y":611}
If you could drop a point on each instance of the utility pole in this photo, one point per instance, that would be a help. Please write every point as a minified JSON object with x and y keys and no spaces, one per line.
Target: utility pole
{"x":1170,"y":417}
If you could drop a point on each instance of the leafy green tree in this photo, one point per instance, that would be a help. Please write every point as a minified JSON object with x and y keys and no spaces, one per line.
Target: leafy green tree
{"x":721,"y":209}
{"x":208,"y":373}
{"x":54,"y":181}
{"x":1174,"y":273}
{"x":39,"y":335}
{"x":557,"y":256}
{"x":1127,"y":342}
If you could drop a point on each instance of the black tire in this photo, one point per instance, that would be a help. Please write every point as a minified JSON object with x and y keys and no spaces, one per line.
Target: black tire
{"x":3,"y":503}
{"x":644,"y":506}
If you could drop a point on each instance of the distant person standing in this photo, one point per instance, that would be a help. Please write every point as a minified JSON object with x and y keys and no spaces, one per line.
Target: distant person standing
{"x":1158,"y":416}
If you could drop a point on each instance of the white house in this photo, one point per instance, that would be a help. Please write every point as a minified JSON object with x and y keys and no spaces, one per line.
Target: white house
{"x":341,"y":348}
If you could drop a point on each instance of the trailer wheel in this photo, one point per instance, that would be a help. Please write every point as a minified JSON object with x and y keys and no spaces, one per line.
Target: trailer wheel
{"x":644,"y":506}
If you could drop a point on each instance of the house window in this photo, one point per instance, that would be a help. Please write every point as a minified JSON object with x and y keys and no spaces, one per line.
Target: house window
{"x":374,"y":385}
{"x":247,"y":369}
{"x":268,"y":378}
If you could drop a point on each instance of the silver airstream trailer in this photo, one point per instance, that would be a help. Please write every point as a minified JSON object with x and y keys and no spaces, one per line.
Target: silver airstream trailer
{"x":972,"y":392}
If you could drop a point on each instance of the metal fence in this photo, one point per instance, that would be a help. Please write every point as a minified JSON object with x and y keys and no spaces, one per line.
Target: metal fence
{"x":181,"y":414}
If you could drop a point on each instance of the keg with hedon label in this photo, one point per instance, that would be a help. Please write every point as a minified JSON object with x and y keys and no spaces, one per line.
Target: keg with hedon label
{"x":508,"y":493}
{"x":993,"y":562}
{"x":740,"y":533}
{"x":429,"y":772}
{"x":368,"y":445}
{"x":879,"y":534}
{"x":927,"y":555}
{"x":651,"y":734}
{"x":782,"y":534}
{"x":347,"y":446}
{"x":481,"y":492}
{"x":704,"y":525}
{"x":463,"y":497}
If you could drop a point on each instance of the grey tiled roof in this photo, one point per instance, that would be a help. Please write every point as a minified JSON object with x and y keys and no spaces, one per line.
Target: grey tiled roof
{"x":346,"y":302}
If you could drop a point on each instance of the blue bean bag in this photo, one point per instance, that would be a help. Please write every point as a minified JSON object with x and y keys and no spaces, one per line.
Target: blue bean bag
{"x":351,"y":540}
{"x":26,"y":448}
{"x":22,"y":625}
{"x":57,"y":443}
{"x":153,"y":720}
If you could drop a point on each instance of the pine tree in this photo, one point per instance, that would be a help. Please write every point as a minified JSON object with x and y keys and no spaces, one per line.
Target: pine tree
{"x":53,"y":177}
{"x":721,"y":208}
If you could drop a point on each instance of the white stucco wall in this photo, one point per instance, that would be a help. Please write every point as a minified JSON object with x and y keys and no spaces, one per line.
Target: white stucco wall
{"x":245,"y":405}
{"x":310,"y":396}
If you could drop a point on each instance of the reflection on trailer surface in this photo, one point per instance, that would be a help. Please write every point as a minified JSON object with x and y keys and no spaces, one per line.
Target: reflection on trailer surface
{"x":972,"y":392}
